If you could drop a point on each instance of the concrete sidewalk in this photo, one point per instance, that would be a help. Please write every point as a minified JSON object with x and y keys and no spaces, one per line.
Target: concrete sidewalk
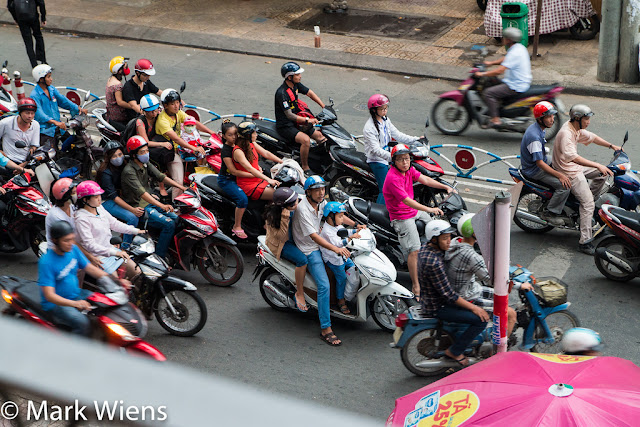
{"x":438,"y":49}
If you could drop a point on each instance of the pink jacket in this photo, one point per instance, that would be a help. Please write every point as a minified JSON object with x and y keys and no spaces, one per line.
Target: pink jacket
{"x":94,"y":231}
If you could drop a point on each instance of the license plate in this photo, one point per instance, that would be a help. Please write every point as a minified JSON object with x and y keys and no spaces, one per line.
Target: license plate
{"x":397,"y":334}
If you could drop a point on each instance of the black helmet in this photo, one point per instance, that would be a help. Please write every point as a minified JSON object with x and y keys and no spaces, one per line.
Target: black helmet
{"x":284,"y":196}
{"x":290,"y":68}
{"x":169,"y":95}
{"x":112,"y":146}
{"x":60,"y":229}
{"x":245,"y":129}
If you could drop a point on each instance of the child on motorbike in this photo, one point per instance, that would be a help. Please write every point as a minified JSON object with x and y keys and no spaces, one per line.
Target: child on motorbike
{"x":279,"y":241}
{"x":191,"y":136}
{"x":334,"y":218}
{"x":117,"y":108}
{"x":378,"y":133}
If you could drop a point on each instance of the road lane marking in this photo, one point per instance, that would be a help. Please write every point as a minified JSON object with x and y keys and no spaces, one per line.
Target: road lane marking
{"x":554,"y":260}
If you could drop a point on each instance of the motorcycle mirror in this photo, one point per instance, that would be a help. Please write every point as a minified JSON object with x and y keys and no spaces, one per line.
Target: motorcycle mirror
{"x":20,"y":144}
{"x":87,"y":96}
{"x":626,"y":137}
{"x":426,"y":124}
{"x":183,"y":86}
{"x":343,"y":233}
{"x":5,"y":63}
{"x":115,"y":240}
{"x":331,"y":101}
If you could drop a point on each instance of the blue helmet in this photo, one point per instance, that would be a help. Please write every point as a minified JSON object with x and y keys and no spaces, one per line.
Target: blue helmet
{"x":314,"y":181}
{"x":333,"y":207}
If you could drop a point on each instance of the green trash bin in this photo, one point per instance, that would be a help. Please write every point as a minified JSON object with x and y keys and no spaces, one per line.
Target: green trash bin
{"x":515,"y":14}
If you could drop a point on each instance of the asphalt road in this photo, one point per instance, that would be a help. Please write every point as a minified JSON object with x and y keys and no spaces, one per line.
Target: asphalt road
{"x":278,"y":352}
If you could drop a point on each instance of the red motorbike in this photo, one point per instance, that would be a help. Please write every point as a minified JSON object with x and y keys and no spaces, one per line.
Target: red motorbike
{"x":114,"y":319}
{"x":199,"y":242}
{"x":22,"y":225}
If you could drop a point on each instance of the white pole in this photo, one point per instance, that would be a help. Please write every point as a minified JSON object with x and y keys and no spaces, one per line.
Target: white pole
{"x":502,"y":243}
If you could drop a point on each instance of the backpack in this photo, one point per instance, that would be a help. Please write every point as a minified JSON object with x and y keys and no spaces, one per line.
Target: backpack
{"x":25,"y":10}
{"x":130,"y":130}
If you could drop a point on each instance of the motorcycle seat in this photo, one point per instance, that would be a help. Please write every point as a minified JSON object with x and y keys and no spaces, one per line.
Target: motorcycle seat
{"x":378,"y":213}
{"x":534,"y":181}
{"x":28,"y":291}
{"x":351,"y":156}
{"x":628,"y":218}
{"x":269,"y":128}
{"x":533,"y":91}
{"x":211,"y":181}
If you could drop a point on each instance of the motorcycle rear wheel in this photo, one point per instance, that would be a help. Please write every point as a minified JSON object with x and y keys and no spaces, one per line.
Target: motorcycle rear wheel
{"x":618,"y":246}
{"x":191,"y":313}
{"x":559,"y":323}
{"x":273,"y":276}
{"x":224,"y":258}
{"x":527,"y":198}
{"x":449,"y":117}
{"x":386,"y":319}
{"x":353,"y":186}
{"x":418,"y":346}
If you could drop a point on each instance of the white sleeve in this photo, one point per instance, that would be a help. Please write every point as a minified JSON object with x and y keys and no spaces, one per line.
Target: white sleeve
{"x":84,"y":232}
{"x":117,"y":225}
{"x":372,"y":147}
{"x":35,"y":140}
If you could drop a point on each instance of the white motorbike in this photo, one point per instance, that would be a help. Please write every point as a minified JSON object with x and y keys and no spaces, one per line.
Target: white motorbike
{"x":378,"y":295}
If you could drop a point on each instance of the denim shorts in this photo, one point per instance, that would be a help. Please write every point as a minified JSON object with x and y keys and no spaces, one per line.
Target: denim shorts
{"x":232,"y":190}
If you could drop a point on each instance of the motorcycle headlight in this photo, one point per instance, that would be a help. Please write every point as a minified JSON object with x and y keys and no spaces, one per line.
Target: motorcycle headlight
{"x":624,"y":166}
{"x":148,"y":247}
{"x":119,"y":297}
{"x":149,"y":272}
{"x":420,"y":151}
{"x":207,"y":229}
{"x":374,"y":272}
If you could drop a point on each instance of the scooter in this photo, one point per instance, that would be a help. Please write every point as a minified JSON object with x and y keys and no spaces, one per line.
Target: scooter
{"x":535,"y":196}
{"x":618,"y":256}
{"x":198,"y":241}
{"x":8,"y":104}
{"x":319,"y":158}
{"x":379,"y":296}
{"x":423,"y":340}
{"x":455,"y":110}
{"x":114,"y":319}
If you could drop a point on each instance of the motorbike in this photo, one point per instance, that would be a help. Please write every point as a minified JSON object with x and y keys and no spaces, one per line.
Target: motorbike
{"x":80,"y":151}
{"x":624,"y":191}
{"x":379,"y":296}
{"x":422,"y":340}
{"x":319,"y":158}
{"x":457,"y":109}
{"x":8,"y":104}
{"x":22,"y":225}
{"x":107,"y":132}
{"x":114,"y":319}
{"x":198,"y":241}
{"x":376,"y":217}
{"x":215,"y":199}
{"x":618,"y":256}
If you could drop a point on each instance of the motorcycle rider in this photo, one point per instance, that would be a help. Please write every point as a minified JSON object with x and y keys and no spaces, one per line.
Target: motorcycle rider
{"x":516,"y":67}
{"x":567,"y":161}
{"x":137,"y":192}
{"x":582,"y":342}
{"x":378,"y":133}
{"x":5,"y":162}
{"x":293,"y":122}
{"x":23,"y":128}
{"x":117,"y":107}
{"x":534,"y":163}
{"x":138,"y":86}
{"x":305,"y":229}
{"x":439,"y":299}
{"x":58,"y":280}
{"x":49,"y":100}
{"x":404,"y":211}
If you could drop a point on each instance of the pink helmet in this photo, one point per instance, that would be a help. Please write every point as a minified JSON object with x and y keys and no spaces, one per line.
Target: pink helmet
{"x":377,"y":100}
{"x":190,"y":121}
{"x":88,"y":189}
{"x":61,"y":189}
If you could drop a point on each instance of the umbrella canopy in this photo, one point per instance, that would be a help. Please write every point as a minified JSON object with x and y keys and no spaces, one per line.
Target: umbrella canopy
{"x":528,"y":389}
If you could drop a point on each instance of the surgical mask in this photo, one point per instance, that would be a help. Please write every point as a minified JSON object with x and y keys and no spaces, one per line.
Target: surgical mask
{"x":74,"y":198}
{"x":117,"y":161}
{"x":189,"y":129}
{"x":144,"y":158}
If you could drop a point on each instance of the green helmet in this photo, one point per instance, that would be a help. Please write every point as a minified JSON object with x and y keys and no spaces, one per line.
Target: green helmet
{"x":465,"y":228}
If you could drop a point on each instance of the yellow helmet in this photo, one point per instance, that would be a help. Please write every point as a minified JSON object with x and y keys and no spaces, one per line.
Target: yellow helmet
{"x":117,"y":63}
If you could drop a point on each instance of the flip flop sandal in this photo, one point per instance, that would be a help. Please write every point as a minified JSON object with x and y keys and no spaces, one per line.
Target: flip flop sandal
{"x":331,"y":339}
{"x":240,"y":234}
{"x":459,"y":361}
{"x":298,"y":305}
{"x":344,"y":309}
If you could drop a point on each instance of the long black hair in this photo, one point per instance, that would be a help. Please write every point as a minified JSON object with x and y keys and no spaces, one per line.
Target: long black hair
{"x":273,"y":215}
{"x":226,"y":126}
{"x":107,"y":164}
{"x":374,"y":117}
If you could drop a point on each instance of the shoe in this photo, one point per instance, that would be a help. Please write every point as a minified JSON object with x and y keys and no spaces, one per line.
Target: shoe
{"x":587,"y":248}
{"x":551,"y":218}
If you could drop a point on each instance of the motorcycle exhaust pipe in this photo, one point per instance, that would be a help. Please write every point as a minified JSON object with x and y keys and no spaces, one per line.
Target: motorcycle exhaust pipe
{"x":530,"y":217}
{"x":275,"y":292}
{"x":444,"y":363}
{"x":622,"y":263}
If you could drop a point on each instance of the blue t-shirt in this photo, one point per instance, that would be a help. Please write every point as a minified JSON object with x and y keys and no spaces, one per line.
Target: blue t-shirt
{"x":518,"y":74}
{"x":60,"y":272}
{"x":532,"y":150}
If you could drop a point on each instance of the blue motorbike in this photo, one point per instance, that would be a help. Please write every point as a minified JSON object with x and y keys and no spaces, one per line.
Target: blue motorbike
{"x":543,"y":316}
{"x":624,"y":192}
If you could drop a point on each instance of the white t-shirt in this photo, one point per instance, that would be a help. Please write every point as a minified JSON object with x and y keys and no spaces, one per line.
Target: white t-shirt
{"x":57,"y":214}
{"x":518,"y":74}
{"x":330,"y":234}
{"x":10,"y":133}
{"x":306,"y":221}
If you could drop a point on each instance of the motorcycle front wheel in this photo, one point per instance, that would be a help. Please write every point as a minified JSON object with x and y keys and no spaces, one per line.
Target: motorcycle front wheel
{"x":190,"y":312}
{"x":220,"y":263}
{"x":419,"y":348}
{"x":354,"y":186}
{"x":531,"y":203}
{"x":449,"y":117}
{"x":621,"y":248}
{"x":558,"y":323}
{"x":385,"y":309}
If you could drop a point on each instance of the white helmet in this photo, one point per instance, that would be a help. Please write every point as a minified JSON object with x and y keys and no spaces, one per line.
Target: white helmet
{"x":149,"y":102}
{"x":578,"y":340}
{"x":437,"y":227}
{"x":40,"y":71}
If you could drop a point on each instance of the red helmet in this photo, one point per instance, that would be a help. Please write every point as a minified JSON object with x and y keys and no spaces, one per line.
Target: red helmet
{"x":27,"y":104}
{"x":135,"y":142}
{"x":377,"y":100}
{"x":145,"y":66}
{"x":400,"y":149}
{"x":61,"y":189}
{"x":88,"y":188}
{"x":544,"y":108}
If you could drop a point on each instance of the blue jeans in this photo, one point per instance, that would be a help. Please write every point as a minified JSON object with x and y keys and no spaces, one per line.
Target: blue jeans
{"x":122,"y":214}
{"x":166,"y":222}
{"x":232,"y":190}
{"x":319,"y":274}
{"x":453,"y":313}
{"x":72,"y":317}
{"x":340,"y":273}
{"x":290,"y":252}
{"x":380,"y":171}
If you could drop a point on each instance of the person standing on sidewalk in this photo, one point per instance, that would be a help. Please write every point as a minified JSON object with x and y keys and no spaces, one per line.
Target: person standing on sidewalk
{"x":25,"y":14}
{"x":567,"y":161}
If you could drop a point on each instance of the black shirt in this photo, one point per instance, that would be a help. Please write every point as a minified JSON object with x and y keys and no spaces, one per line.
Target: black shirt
{"x":284,"y":102}
{"x":131,"y":92}
{"x":110,"y":182}
{"x":227,"y":151}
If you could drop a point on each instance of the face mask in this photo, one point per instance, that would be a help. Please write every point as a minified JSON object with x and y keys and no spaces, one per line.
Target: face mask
{"x":189,"y":129}
{"x":74,"y":198}
{"x":117,"y":161}
{"x":144,"y":158}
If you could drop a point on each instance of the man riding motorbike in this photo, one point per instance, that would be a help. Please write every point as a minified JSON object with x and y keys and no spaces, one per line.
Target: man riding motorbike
{"x":567,"y":161}
{"x":22,"y":128}
{"x":516,"y":67}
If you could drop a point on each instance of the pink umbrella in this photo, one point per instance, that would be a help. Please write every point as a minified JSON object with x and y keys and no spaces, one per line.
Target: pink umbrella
{"x":528,"y":389}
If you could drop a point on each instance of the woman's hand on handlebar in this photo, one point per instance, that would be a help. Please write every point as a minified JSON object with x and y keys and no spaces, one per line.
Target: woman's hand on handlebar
{"x":273,"y":183}
{"x":123,"y":254}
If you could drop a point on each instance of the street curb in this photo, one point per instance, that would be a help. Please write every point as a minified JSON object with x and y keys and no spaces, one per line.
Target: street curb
{"x":90,"y":27}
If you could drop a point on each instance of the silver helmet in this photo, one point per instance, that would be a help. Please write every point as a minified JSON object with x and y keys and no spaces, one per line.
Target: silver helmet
{"x":513,"y":34}
{"x":579,"y":111}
